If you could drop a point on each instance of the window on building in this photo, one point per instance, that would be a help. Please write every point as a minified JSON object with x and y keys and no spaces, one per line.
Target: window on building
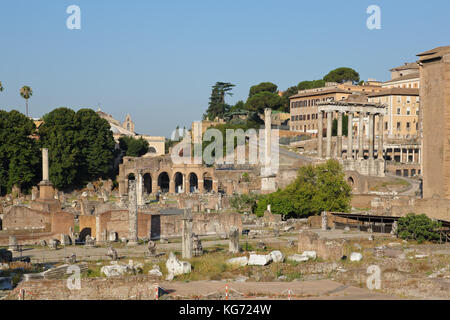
{"x":399,"y":126}
{"x":399,"y":111}
{"x":385,"y":126}
{"x":417,"y":111}
{"x":408,"y":126}
{"x":399,"y":99}
{"x":408,"y":111}
{"x":408,"y":99}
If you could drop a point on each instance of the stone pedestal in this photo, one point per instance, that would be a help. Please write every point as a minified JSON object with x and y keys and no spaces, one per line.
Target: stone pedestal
{"x":324,"y":221}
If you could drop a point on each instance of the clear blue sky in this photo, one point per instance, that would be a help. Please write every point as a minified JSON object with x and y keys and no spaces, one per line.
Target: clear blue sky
{"x":157,"y":60}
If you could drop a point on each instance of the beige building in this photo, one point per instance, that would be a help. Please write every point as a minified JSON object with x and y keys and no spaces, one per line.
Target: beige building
{"x":126,"y":128}
{"x":304,"y":105}
{"x":403,"y":107}
{"x":406,"y":76}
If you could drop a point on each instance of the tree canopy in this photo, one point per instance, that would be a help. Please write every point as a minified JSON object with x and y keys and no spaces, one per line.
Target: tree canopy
{"x":418,"y":227}
{"x":217,"y":106}
{"x":304,"y":85}
{"x":262,"y":100}
{"x":133,"y":147}
{"x":341,"y":75}
{"x":19,"y":152}
{"x":81,"y":146}
{"x":263,"y":87}
{"x":316,"y":189}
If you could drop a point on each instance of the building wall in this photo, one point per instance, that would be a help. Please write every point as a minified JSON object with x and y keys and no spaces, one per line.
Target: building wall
{"x":435,"y":97}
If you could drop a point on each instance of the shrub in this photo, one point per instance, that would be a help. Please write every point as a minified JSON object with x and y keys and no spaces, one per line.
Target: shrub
{"x":418,"y":227}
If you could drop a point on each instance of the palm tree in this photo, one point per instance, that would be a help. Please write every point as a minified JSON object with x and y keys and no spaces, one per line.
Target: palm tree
{"x":26,"y":93}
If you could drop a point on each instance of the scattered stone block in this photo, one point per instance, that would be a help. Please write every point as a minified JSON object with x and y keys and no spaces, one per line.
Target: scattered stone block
{"x":298,"y":258}
{"x":151,"y":249}
{"x":277,"y":256}
{"x":261,"y":245}
{"x":155,"y":272}
{"x":259,"y":260}
{"x":310,"y":254}
{"x":53,"y":244}
{"x":176,"y":267}
{"x":356,"y":256}
{"x":114,"y":270}
{"x":112,"y":253}
{"x":240,"y":261}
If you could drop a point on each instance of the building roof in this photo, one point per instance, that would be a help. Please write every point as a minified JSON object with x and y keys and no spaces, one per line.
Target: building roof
{"x":433,"y":54}
{"x":396,"y":92}
{"x":406,"y":66}
{"x":415,"y":75}
{"x":319,"y":91}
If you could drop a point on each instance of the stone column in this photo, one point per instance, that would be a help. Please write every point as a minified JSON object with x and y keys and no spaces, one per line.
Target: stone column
{"x":339,"y":136}
{"x":320,"y":135}
{"x":186,"y":239}
{"x":268,"y":136}
{"x":371,"y":135}
{"x":13,"y":245}
{"x":132,"y":213}
{"x":140,"y":189}
{"x":407,"y":155}
{"x":401,"y":154}
{"x":45,"y":176}
{"x":350,"y":136}
{"x":361,"y":136}
{"x":215,"y":186}
{"x":324,"y":221}
{"x":329,"y":133}
{"x":381,"y":136}
{"x":234,"y":240}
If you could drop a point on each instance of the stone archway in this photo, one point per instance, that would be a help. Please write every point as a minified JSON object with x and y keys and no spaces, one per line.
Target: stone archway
{"x":164,"y":182}
{"x":178,"y":180}
{"x":148,"y":183}
{"x":193,"y":182}
{"x":83,"y":234}
{"x":152,"y":150}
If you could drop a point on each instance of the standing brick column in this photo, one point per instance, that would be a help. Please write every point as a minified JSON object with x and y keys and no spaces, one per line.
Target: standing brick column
{"x":45,"y":176}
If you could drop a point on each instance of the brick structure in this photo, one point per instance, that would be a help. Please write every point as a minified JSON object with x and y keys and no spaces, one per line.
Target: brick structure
{"x":435,"y":114}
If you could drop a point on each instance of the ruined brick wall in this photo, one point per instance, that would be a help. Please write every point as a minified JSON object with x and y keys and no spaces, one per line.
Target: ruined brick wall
{"x":433,"y":208}
{"x":87,"y":222}
{"x":203,"y":223}
{"x":325,"y":249}
{"x":23,"y":218}
{"x":62,"y":222}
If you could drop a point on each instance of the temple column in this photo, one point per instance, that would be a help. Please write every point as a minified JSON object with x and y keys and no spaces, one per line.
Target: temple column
{"x":45,"y":176}
{"x":350,"y":136}
{"x":339,"y":136}
{"x":361,"y":136}
{"x":371,"y":135}
{"x":215,"y":186}
{"x":320,"y":135}
{"x":381,"y":136}
{"x":329,"y":133}
{"x":184,"y":184}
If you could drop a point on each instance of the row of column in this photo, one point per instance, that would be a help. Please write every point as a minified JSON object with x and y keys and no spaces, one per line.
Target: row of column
{"x":360,"y":152}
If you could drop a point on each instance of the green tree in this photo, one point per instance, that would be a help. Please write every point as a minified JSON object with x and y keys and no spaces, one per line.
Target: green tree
{"x":316,"y":189}
{"x":304,"y":85}
{"x":263,"y":87}
{"x":240,"y":105}
{"x":341,"y":75}
{"x":19,"y":152}
{"x":59,"y":134}
{"x":26,"y":92}
{"x":263,"y":100}
{"x":96,"y":144}
{"x":133,"y":147}
{"x":217,"y":106}
{"x":418,"y":227}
